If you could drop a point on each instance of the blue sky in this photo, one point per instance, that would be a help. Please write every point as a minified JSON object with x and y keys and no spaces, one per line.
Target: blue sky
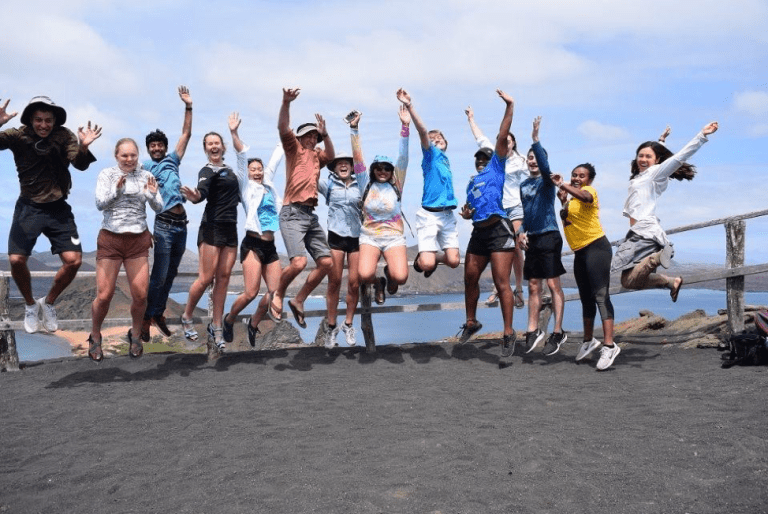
{"x":605,"y":76}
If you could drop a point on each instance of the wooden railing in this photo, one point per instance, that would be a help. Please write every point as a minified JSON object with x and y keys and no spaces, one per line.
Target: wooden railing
{"x":734,"y":273}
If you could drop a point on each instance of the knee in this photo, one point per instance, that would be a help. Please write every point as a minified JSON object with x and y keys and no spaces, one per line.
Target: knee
{"x":72,"y":263}
{"x":366,"y":277}
{"x":324,"y":264}
{"x":18,"y":261}
{"x":298,"y":263}
{"x":452,"y":261}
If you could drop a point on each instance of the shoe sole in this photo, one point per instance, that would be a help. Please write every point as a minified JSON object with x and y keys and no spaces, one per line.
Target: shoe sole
{"x":464,"y":339}
{"x":539,"y":339}
{"x":44,"y":320}
{"x":665,"y":258}
{"x":557,"y":348}
{"x":589,"y":351}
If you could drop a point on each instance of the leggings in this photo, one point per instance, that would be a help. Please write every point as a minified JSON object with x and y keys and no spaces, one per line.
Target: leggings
{"x":592,"y":269}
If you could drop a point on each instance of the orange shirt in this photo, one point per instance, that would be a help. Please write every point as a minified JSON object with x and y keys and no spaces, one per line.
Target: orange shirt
{"x":302,"y":170}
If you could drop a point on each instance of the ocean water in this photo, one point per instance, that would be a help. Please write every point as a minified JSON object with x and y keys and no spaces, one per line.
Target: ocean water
{"x":399,"y":328}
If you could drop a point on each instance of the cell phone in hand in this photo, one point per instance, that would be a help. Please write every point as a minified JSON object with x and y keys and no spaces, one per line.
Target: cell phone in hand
{"x":351,"y":116}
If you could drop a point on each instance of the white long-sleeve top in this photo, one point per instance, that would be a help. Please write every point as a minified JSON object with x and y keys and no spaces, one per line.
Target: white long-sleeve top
{"x":124,"y":209}
{"x":515,"y":171}
{"x":646,"y":187}
{"x":251,"y":192}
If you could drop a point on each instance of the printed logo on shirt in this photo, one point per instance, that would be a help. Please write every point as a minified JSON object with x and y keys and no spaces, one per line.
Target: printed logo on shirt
{"x":75,"y":240}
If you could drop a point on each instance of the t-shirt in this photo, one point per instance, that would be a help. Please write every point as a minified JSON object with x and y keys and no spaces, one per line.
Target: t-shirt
{"x":220,"y":187}
{"x":302,"y":169}
{"x":382,"y":211}
{"x":582,"y":226}
{"x":485,"y":190}
{"x":438,"y":179}
{"x":166,"y":171}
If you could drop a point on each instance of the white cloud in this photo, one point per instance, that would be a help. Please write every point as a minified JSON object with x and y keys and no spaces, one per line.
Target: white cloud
{"x":596,"y":131}
{"x":754,"y":103}
{"x":759,"y":130}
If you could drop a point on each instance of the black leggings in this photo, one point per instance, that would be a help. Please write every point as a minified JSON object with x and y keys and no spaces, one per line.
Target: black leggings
{"x":592,"y":269}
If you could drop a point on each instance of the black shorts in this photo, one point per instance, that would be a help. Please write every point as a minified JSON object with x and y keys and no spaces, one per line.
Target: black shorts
{"x":265,"y":250}
{"x":498,"y":237}
{"x":54,"y":220}
{"x":218,"y":234}
{"x":342,"y":243}
{"x":542,"y":258}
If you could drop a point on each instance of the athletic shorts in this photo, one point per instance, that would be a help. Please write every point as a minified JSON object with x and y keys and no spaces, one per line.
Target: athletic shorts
{"x":301,"y":230}
{"x":343,"y":243}
{"x":542,"y":258}
{"x":218,"y":234}
{"x":122,"y":247}
{"x":383,"y":243}
{"x":436,"y":230}
{"x":498,"y":237}
{"x":54,"y":220}
{"x":265,"y":251}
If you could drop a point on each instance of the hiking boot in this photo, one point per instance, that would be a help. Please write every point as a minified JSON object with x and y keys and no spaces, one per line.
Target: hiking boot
{"x":607,"y":356}
{"x":532,"y":340}
{"x":329,"y":335}
{"x":468,"y":331}
{"x":32,"y":318}
{"x":145,"y":324}
{"x":252,"y":331}
{"x":159,"y":322}
{"x":508,"y":344}
{"x":228,"y":330}
{"x":552,"y":346}
{"x":50,"y":321}
{"x":586,"y":348}
{"x":349,"y":334}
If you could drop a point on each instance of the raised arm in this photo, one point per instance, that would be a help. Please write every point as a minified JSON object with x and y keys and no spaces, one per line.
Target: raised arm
{"x":405,"y":99}
{"x":284,"y":118}
{"x":664,"y":135}
{"x":186,"y":129}
{"x":358,"y":160}
{"x":668,"y":167}
{"x":538,"y":150}
{"x":401,"y":166}
{"x":482,"y":141}
{"x":234,"y":124}
{"x":241,"y":170}
{"x":274,"y":161}
{"x":328,"y":153}
{"x":565,"y":189}
{"x":6,"y":116}
{"x":502,"y":146}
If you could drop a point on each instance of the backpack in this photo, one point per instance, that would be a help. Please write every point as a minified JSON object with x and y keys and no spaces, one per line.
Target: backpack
{"x":399,"y":199}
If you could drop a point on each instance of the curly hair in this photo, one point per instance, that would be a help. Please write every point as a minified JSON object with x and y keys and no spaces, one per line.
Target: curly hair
{"x":589,"y":167}
{"x":685,"y":172}
{"x":156,"y":136}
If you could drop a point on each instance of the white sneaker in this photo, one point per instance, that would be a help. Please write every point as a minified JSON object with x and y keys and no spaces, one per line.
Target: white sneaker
{"x":329,"y":336}
{"x":50,"y":321}
{"x":32,"y":318}
{"x":586,"y":348}
{"x":607,"y":356}
{"x":349,"y":334}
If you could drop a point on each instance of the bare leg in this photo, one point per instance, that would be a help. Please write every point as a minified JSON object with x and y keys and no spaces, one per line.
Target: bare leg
{"x":207,"y":264}
{"x":369,"y":258}
{"x":558,"y":302}
{"x":227,"y":257}
{"x":353,"y":285}
{"x":518,"y":259}
{"x":534,"y":303}
{"x":252,"y":281}
{"x":106,"y":277}
{"x":287,"y":276}
{"x":334,"y":285}
{"x":22,"y":277}
{"x":137,"y":271}
{"x":474,"y":265}
{"x":501,"y":268}
{"x":323,"y":266}
{"x":70,"y":263}
{"x":271,"y":273}
{"x":397,"y":263}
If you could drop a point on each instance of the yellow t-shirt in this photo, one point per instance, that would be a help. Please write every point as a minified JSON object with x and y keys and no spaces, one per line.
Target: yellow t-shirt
{"x":582,"y":226}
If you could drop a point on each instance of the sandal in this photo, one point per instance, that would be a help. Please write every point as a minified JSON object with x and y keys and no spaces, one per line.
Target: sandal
{"x":94,"y":350}
{"x":298,"y":315}
{"x":276,"y":318}
{"x":519,"y":300}
{"x":675,"y":289}
{"x":391,"y":284}
{"x":134,"y":343}
{"x":189,"y":329}
{"x":378,"y":287}
{"x":252,"y":333}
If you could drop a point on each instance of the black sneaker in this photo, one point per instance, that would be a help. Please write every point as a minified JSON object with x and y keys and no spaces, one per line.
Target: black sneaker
{"x":508,"y":344}
{"x":252,"y":331}
{"x":532,"y":340}
{"x":553,"y":343}
{"x":468,"y":331}
{"x":228,"y":328}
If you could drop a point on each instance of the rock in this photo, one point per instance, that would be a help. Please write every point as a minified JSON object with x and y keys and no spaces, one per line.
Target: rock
{"x":281,"y":336}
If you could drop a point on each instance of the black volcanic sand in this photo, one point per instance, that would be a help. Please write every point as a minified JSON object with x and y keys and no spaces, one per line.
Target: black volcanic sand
{"x":418,"y":428}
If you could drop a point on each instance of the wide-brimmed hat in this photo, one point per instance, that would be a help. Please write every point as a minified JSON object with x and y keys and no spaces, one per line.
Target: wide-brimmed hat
{"x":46,"y":104}
{"x":484,"y":151}
{"x":340,"y":157}
{"x":382,"y":159}
{"x":306,"y":128}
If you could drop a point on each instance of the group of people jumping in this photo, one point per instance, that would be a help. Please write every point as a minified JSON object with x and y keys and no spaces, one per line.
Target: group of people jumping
{"x":510,"y":202}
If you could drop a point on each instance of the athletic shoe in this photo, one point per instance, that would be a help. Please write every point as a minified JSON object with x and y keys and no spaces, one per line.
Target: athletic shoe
{"x":252,"y":331}
{"x":586,"y":348}
{"x":159,"y":322}
{"x":145,"y":324}
{"x":32,"y":318}
{"x":50,"y":321}
{"x":216,"y":334}
{"x":508,"y":344}
{"x":552,"y":346}
{"x":228,"y":330}
{"x":532,"y":340}
{"x":468,"y":331}
{"x":329,"y":335}
{"x":607,"y":356}
{"x":349,"y":334}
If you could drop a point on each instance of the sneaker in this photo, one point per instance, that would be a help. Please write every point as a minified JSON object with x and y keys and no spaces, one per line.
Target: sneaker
{"x":159,"y":322}
{"x":252,"y":331}
{"x":349,"y":334}
{"x":552,"y":346}
{"x":50,"y":321}
{"x":329,"y":335}
{"x":145,"y":330}
{"x":532,"y":340}
{"x":216,"y":334}
{"x":468,"y":331}
{"x":508,"y":344}
{"x":586,"y":348}
{"x":32,"y":318}
{"x":607,"y":356}
{"x":228,"y":330}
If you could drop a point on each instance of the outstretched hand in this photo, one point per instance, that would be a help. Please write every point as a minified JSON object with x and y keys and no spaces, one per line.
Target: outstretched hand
{"x":507,"y":99}
{"x":405,"y":116}
{"x":5,"y":116}
{"x":710,"y":128}
{"x":467,"y":212}
{"x":557,"y":179}
{"x":191,"y":194}
{"x":234,"y":121}
{"x":536,"y":125}
{"x":151,"y":185}
{"x":404,"y":97}
{"x":469,"y":112}
{"x":354,"y":122}
{"x":88,"y":135}
{"x":289,"y":95}
{"x":321,"y":125}
{"x":184,"y":95}
{"x":664,"y":135}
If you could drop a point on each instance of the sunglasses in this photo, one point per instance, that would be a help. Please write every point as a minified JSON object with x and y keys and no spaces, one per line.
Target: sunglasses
{"x":382,"y":168}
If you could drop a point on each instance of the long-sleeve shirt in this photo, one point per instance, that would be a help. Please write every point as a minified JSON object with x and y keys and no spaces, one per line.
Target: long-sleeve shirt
{"x":382,"y":211}
{"x":124,"y":209}
{"x":516,"y":170}
{"x":43,"y":163}
{"x":260,"y":201}
{"x":166,"y":171}
{"x":218,"y":185}
{"x":343,"y":204}
{"x":538,"y":197}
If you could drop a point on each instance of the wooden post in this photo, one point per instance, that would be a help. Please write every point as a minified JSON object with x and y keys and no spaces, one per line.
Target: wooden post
{"x":734,"y":257}
{"x":9,"y":357}
{"x":366,"y":320}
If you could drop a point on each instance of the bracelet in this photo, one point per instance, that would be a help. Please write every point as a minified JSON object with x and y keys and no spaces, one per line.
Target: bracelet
{"x":405,"y":131}
{"x":188,"y":109}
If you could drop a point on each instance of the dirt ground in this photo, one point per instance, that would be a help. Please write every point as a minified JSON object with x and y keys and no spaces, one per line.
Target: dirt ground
{"x":414,"y":428}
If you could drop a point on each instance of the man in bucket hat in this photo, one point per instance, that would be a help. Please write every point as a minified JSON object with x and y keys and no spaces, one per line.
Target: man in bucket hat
{"x":43,"y":150}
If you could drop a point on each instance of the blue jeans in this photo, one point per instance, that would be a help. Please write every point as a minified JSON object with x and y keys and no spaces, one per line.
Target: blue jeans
{"x":170,"y":244}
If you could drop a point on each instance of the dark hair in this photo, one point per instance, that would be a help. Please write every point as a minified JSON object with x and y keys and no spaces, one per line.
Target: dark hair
{"x":157,"y":136}
{"x":255,"y":159}
{"x":589,"y":167}
{"x":212,"y":133}
{"x":684,"y":172}
{"x":530,"y":150}
{"x":372,"y":174}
